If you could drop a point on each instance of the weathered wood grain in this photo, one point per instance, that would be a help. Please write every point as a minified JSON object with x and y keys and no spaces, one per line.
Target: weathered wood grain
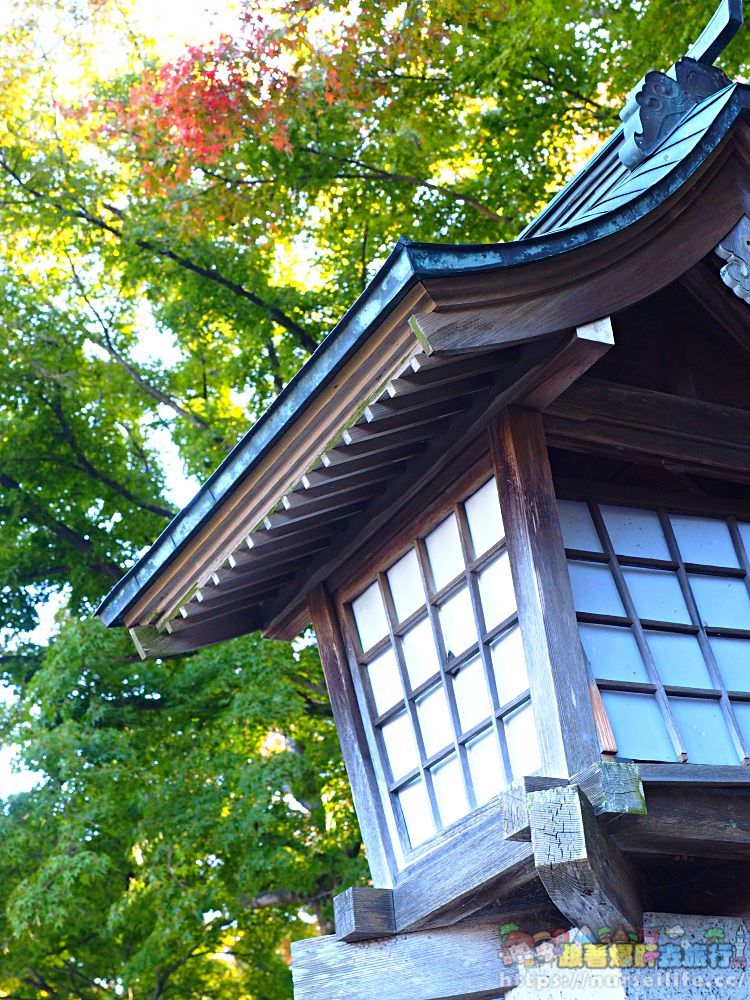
{"x":453,"y":880}
{"x":554,"y":657}
{"x":363,"y":913}
{"x":515,"y":808}
{"x":460,"y":963}
{"x":655,"y":428}
{"x":712,"y":822}
{"x":367,"y":801}
{"x":585,"y":874}
{"x":612,"y":788}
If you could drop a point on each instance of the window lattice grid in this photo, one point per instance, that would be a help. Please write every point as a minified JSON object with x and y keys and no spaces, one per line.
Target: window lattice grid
{"x":663,"y":605}
{"x":445,"y":680}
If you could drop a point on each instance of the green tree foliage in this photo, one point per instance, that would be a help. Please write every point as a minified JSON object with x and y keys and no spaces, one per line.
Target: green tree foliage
{"x":178,"y":236}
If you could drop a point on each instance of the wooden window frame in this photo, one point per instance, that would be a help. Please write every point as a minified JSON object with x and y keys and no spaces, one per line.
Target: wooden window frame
{"x":560,"y":691}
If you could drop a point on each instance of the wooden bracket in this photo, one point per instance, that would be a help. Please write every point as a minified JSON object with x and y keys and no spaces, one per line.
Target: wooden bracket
{"x":515,"y":808}
{"x":585,"y":874}
{"x":613,"y":788}
{"x":363,"y":913}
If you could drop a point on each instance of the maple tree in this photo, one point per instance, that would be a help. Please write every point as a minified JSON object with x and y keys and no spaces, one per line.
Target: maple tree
{"x":178,"y":236}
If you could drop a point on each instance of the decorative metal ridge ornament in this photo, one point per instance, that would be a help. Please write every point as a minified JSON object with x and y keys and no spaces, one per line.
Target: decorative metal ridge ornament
{"x":660,"y":101}
{"x":735,"y":250}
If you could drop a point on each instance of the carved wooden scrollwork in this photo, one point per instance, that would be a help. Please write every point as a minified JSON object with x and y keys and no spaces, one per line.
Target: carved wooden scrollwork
{"x":735,"y":250}
{"x":660,"y":102}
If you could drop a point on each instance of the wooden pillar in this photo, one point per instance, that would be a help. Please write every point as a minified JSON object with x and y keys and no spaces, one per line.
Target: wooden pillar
{"x":557,"y":670}
{"x":367,"y":799}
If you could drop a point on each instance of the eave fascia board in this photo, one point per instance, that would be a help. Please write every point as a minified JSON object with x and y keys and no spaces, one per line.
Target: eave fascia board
{"x":409,"y":264}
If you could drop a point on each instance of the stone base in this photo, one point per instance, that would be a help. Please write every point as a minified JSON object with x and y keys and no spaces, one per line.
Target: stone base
{"x":682,"y":958}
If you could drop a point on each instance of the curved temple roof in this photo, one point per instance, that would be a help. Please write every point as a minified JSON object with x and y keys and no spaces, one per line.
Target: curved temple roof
{"x":604,"y":202}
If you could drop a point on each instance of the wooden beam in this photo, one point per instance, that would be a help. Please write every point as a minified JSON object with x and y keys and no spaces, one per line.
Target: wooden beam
{"x":461,"y":874}
{"x":657,"y":428}
{"x":557,"y":670}
{"x":709,"y":822}
{"x":365,"y":792}
{"x":586,"y":876}
{"x":362,"y":913}
{"x":613,"y":788}
{"x":466,"y":331}
{"x":587,"y":345}
{"x":459,"y":963}
{"x":515,"y":807}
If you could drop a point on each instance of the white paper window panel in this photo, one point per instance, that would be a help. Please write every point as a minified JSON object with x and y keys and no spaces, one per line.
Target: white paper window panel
{"x":704,"y":540}
{"x":656,"y":595}
{"x":417,"y":812}
{"x":635,"y":532}
{"x":369,"y":614}
{"x":485,"y":767}
{"x":744,"y":530}
{"x":400,"y":746}
{"x":722,"y":603}
{"x":613,"y":653}
{"x":472,"y":695}
{"x":594,"y":589}
{"x":522,"y":742}
{"x":450,"y":791}
{"x":420,"y":654}
{"x":385,"y":681}
{"x":457,"y":623}
{"x":742,"y":714}
{"x":679,"y":660}
{"x":577,"y":527}
{"x":484,"y":517}
{"x":444,"y":551}
{"x":496,"y":591}
{"x":733,"y":660}
{"x":435,"y":720}
{"x":704,"y":732}
{"x":405,"y":582}
{"x":509,"y":665}
{"x":638,"y":725}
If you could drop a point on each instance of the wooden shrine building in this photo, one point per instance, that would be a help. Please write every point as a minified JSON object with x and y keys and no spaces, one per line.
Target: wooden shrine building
{"x":511,"y":492}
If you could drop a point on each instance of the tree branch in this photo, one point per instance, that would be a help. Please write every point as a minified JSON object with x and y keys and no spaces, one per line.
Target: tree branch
{"x":68,"y":435}
{"x":36,"y":511}
{"x":409,"y":179}
{"x":108,"y":346}
{"x":305,"y":339}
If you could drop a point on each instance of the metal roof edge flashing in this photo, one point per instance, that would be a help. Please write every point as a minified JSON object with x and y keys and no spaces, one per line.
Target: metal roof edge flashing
{"x":408,"y":262}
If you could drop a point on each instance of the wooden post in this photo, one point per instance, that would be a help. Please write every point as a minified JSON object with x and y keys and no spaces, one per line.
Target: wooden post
{"x":554,"y":656}
{"x":367,"y":799}
{"x":586,"y":876}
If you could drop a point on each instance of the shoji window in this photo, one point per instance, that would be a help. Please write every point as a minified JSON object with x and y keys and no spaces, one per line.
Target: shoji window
{"x":442,"y":670}
{"x":663,"y":606}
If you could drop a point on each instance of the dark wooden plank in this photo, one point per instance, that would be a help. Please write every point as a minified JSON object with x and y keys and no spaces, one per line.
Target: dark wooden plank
{"x":585,"y":874}
{"x":365,"y":791}
{"x":691,"y":821}
{"x":363,"y":913}
{"x":448,"y":441}
{"x":459,"y":963}
{"x":652,"y":427}
{"x":557,"y":669}
{"x":451,"y":334}
{"x":587,"y":345}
